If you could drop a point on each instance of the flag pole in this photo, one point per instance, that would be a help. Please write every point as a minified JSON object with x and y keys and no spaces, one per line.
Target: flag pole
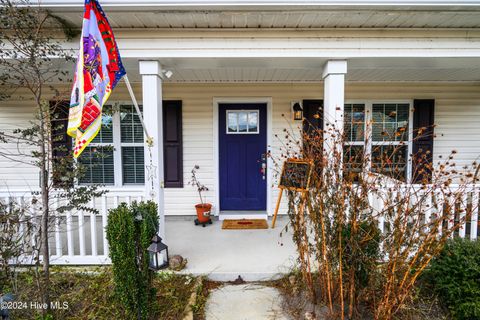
{"x":135,"y":103}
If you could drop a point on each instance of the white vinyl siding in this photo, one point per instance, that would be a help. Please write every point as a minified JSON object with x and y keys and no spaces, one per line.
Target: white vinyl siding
{"x":457,"y":115}
{"x":16,"y":172}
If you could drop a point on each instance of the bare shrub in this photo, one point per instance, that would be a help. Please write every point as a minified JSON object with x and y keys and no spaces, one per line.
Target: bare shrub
{"x":363,"y":234}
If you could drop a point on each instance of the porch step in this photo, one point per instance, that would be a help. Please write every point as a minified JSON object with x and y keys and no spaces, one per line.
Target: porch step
{"x":236,"y":215}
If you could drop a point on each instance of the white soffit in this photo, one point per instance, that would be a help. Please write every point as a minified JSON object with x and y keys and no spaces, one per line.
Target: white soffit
{"x":310,"y":70}
{"x":278,"y":14}
{"x":315,"y":75}
{"x":287,"y":19}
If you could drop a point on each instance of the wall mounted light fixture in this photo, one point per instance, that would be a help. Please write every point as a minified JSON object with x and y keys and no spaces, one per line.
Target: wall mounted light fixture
{"x":297,"y":111}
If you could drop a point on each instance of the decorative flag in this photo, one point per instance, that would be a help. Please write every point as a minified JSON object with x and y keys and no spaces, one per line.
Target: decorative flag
{"x":99,"y":68}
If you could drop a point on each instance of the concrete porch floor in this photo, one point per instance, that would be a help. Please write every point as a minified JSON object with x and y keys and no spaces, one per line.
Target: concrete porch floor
{"x":223,"y":255}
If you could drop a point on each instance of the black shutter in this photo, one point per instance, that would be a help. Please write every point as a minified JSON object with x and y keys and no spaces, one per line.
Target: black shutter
{"x":423,"y":132}
{"x":61,"y":143}
{"x":313,"y":131}
{"x":172,"y":143}
{"x":313,"y":115}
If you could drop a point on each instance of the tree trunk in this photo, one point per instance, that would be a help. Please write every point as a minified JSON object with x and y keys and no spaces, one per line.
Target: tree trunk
{"x":45,"y":248}
{"x":45,"y":205}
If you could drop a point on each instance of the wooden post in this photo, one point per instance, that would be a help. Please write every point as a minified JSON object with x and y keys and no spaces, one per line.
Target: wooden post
{"x":276,"y":208}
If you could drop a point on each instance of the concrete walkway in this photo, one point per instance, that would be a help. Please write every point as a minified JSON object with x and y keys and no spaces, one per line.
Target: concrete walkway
{"x":245,"y":302}
{"x":223,"y":255}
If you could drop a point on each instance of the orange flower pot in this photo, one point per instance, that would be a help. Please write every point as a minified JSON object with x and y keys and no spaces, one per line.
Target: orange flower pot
{"x":203,"y":212}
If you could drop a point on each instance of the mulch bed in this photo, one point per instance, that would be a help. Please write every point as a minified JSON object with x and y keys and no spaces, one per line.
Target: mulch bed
{"x":90,"y":295}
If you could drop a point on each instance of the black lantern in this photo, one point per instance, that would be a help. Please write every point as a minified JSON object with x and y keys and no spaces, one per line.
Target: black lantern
{"x":158,"y":252}
{"x":297,"y":111}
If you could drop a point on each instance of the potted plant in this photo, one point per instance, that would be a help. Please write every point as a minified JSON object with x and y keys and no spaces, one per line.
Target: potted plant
{"x":203,"y":208}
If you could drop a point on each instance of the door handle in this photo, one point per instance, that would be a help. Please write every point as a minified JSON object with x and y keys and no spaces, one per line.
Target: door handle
{"x":263,"y":170}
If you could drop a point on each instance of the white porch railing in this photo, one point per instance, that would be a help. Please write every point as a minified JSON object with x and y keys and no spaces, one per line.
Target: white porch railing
{"x":79,"y":238}
{"x":459,"y":203}
{"x":76,"y":238}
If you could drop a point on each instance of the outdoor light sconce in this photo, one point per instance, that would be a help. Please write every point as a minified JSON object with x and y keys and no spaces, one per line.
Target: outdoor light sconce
{"x":158,"y":252}
{"x":297,"y":111}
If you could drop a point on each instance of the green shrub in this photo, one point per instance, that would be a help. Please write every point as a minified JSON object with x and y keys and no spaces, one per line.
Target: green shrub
{"x":128,"y":238}
{"x":455,"y":276}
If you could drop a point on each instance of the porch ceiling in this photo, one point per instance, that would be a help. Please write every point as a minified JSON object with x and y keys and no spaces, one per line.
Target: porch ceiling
{"x":290,"y":19}
{"x":310,"y":70}
{"x":286,"y":14}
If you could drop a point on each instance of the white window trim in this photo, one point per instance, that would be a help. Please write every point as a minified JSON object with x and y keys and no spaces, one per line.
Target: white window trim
{"x":117,"y":150}
{"x":117,"y":147}
{"x":368,"y":143}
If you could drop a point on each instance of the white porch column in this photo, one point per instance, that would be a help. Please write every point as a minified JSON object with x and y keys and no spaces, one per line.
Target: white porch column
{"x":152,"y":115}
{"x":333,"y":103}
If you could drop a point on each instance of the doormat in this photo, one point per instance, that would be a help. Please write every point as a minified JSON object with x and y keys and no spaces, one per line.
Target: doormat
{"x":245,"y":224}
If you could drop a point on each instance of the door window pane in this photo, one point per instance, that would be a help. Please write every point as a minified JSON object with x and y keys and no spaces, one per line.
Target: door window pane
{"x":253,"y":121}
{"x":232,"y":122}
{"x":242,"y":122}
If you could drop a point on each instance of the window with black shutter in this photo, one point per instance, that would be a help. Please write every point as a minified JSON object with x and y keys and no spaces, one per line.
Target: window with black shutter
{"x":173,"y":143}
{"x":423,"y":132}
{"x":61,"y":143}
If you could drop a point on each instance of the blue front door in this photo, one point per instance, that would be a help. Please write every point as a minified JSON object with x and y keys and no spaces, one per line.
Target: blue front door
{"x":242,"y":150}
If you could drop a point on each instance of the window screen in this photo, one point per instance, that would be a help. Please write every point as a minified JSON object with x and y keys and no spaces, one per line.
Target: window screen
{"x":99,"y":165}
{"x":98,"y":157}
{"x":131,"y":136}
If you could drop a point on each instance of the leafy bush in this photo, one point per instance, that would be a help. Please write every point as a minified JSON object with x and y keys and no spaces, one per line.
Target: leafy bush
{"x":129,"y":233}
{"x":455,"y":276}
